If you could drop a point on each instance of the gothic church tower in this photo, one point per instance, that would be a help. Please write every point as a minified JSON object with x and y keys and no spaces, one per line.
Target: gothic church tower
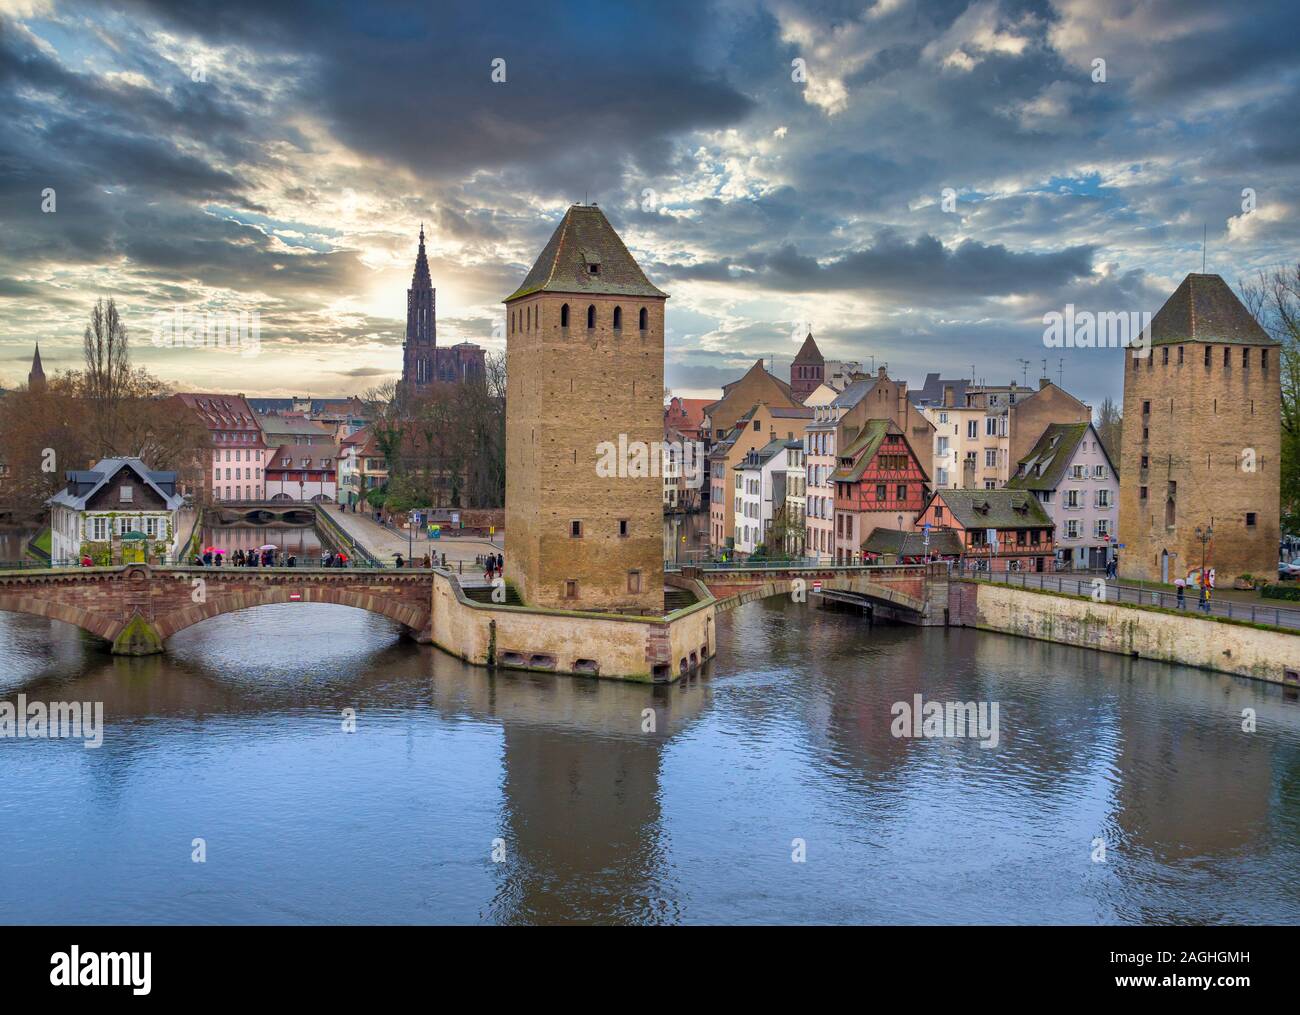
{"x":419,"y":347}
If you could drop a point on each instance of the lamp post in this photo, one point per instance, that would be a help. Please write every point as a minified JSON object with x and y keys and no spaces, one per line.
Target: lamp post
{"x":1205,"y":535}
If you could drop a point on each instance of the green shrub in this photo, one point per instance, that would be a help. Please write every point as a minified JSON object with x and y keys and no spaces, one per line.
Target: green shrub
{"x":1281,"y":592}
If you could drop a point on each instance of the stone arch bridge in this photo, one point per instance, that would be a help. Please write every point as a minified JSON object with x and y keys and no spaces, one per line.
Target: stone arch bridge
{"x":137,"y":608}
{"x":912,"y":593}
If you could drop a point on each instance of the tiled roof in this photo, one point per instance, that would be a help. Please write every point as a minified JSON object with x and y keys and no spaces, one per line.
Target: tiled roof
{"x":1205,"y":309}
{"x":757,"y":459}
{"x":995,"y":509}
{"x":931,"y":392}
{"x":791,"y":411}
{"x":854,"y":393}
{"x":291,"y":457}
{"x":1046,"y":462}
{"x":943,"y":542}
{"x":584,"y":239}
{"x":862,"y":449}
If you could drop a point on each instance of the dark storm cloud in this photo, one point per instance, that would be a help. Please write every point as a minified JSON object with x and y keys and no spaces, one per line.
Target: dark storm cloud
{"x":412,"y":83}
{"x":892,"y":264}
{"x":771,"y":199}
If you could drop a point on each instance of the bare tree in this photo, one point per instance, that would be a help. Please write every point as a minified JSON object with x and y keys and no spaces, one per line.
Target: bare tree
{"x":108,"y":371}
{"x":1273,"y":297}
{"x":1110,"y":428}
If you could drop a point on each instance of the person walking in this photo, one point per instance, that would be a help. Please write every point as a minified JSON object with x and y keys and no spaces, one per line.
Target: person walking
{"x":1182,"y":593}
{"x":399,"y":560}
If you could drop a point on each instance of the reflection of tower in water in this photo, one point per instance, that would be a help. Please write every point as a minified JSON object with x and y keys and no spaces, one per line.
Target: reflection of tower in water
{"x":582,"y":816}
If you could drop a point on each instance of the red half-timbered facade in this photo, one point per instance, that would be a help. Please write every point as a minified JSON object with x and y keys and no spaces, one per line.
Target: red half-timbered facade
{"x":879,"y":483}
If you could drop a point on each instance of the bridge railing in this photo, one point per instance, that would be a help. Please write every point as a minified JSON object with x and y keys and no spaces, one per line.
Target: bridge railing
{"x":751,"y":565}
{"x":1110,"y":590}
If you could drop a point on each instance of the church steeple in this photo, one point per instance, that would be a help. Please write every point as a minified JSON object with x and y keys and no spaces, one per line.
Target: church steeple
{"x":420,"y":276}
{"x":418,"y":349}
{"x":36,"y":379}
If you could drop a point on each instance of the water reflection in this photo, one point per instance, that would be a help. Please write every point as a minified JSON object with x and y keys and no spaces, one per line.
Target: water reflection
{"x":237,"y":737}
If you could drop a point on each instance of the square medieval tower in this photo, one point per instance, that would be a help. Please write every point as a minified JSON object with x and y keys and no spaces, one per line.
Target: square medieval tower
{"x":1201,"y":446}
{"x":585,"y":374}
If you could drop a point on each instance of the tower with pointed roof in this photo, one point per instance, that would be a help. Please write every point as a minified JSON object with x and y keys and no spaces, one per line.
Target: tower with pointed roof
{"x":1201,"y":446}
{"x":36,"y":378}
{"x":419,"y":348}
{"x":808,"y":369}
{"x":584,"y":422}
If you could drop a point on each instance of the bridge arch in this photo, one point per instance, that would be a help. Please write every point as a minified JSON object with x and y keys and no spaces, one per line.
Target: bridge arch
{"x":137,"y":608}
{"x":732,"y":593}
{"x":414,"y":620}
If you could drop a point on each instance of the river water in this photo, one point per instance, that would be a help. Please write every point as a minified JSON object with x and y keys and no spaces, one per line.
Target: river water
{"x":236,"y":737}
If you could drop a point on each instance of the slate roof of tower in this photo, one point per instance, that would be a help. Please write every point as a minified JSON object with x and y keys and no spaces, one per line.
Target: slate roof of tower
{"x":584,"y":237}
{"x":1205,"y":309}
{"x":808,"y":352}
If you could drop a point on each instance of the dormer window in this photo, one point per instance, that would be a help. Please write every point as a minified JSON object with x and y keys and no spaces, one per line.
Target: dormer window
{"x":594,"y":269}
{"x":126,"y":494}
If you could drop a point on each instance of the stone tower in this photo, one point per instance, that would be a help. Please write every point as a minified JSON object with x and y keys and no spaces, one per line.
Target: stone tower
{"x":419,"y":349}
{"x":36,"y":378}
{"x":1202,"y":440}
{"x":808,"y":369}
{"x":584,"y":422}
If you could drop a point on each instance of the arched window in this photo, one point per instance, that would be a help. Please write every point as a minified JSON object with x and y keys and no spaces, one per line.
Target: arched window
{"x":644,"y":318}
{"x":618,"y":317}
{"x":512,"y":322}
{"x":591,"y":316}
{"x":564,"y":316}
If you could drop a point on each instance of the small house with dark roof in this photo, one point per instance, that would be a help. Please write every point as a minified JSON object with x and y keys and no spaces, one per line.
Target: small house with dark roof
{"x":1073,"y":478}
{"x":890,"y":546}
{"x":999,"y":530}
{"x":118,"y":510}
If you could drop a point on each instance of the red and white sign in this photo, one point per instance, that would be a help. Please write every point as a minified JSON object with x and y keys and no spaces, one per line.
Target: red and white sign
{"x":295,"y":595}
{"x":817,"y":586}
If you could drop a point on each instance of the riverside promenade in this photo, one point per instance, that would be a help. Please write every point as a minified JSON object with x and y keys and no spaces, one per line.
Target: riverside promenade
{"x":385,"y":543}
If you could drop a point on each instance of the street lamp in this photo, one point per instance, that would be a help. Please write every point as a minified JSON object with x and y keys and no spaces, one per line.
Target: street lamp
{"x":410,"y":535}
{"x":1205,"y":535}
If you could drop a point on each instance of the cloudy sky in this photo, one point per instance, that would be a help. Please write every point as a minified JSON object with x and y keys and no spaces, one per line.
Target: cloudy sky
{"x":773,"y":164}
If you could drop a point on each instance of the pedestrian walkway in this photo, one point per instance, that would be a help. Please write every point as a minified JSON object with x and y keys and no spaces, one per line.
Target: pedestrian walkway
{"x":1113,"y":591}
{"x":384,"y":543}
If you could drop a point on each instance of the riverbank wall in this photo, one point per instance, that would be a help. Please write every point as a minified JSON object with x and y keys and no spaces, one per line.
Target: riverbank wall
{"x":616,"y":646}
{"x":1212,"y":643}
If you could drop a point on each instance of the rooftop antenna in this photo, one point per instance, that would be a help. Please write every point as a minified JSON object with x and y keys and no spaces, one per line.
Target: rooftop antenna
{"x":1024,"y":371}
{"x":1060,"y":372}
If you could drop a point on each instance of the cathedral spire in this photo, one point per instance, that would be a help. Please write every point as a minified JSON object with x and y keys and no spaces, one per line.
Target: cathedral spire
{"x":36,"y":379}
{"x":420,"y":277}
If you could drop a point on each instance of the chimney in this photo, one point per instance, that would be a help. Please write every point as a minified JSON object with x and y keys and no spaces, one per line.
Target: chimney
{"x":947,"y":396}
{"x":881,"y":372}
{"x":1043,"y":382}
